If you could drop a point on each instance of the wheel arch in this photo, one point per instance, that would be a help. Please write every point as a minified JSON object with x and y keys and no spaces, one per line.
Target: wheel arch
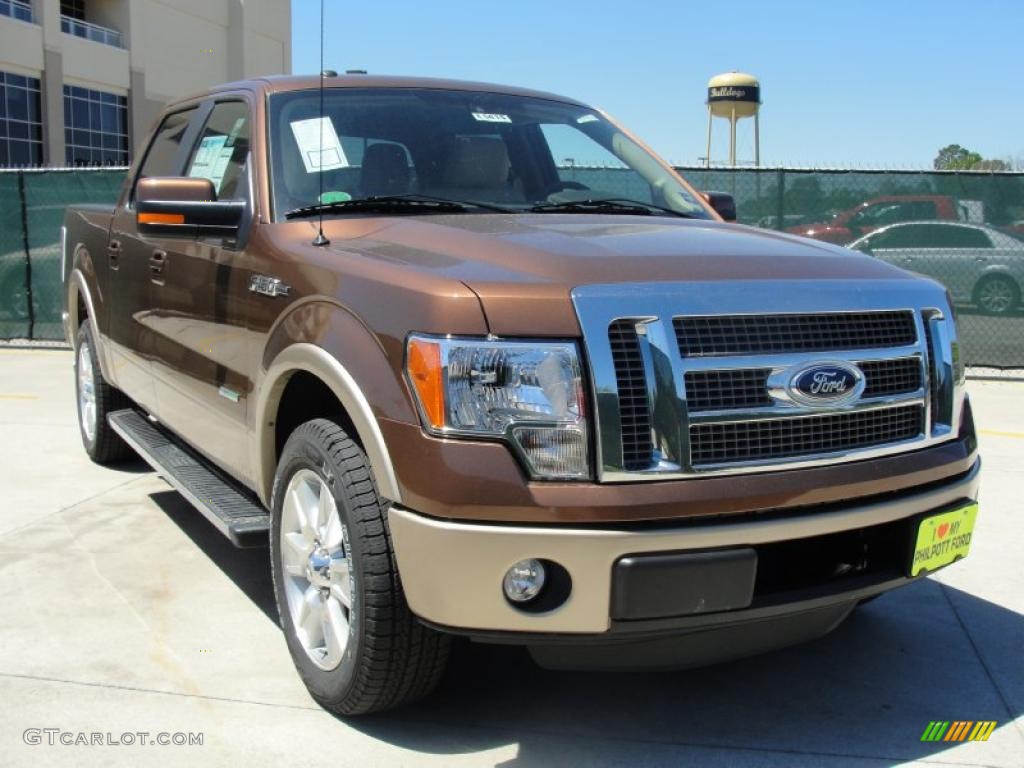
{"x":315,"y":364}
{"x":80,"y":306}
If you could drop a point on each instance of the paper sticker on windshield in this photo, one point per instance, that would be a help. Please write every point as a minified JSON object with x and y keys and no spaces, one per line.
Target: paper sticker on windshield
{"x":491,"y":117}
{"x":319,"y":145}
{"x":587,"y":119}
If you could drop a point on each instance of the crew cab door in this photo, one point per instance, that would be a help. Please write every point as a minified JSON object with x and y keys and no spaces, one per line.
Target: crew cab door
{"x":202,"y":346}
{"x":131,"y":257}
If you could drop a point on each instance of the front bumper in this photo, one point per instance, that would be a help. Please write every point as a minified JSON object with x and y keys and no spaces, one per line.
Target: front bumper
{"x":452,"y":571}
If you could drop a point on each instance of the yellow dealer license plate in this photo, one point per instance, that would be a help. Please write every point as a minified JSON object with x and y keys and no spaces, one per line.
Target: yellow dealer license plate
{"x":943,"y":538}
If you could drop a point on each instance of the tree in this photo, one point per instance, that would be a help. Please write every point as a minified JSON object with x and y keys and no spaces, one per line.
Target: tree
{"x":955,"y":158}
{"x":991,"y":165}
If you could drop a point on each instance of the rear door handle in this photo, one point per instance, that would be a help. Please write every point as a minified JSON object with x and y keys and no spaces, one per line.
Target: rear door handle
{"x":157,"y":262}
{"x":114,"y":253}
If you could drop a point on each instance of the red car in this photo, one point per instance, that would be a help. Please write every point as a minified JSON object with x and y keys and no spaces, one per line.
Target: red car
{"x":865,"y":218}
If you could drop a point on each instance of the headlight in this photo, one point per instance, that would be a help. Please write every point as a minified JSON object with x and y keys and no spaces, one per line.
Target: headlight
{"x":527,"y":393}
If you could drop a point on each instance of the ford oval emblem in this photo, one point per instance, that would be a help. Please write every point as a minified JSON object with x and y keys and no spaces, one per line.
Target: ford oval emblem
{"x":826,"y":384}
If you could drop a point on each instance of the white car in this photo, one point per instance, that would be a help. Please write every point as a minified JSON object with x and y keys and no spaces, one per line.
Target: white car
{"x":980,"y":265}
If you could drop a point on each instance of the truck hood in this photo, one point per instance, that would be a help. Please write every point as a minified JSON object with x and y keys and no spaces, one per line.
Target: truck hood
{"x":524,"y":266}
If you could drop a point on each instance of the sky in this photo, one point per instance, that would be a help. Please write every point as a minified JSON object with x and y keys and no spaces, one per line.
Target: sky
{"x":857,"y":83}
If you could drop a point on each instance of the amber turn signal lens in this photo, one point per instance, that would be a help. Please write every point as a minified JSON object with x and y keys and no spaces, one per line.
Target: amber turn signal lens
{"x":161,"y":218}
{"x":426,"y":375}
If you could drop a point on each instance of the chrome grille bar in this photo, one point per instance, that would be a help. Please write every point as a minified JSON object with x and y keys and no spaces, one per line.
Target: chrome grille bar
{"x":702,"y":335}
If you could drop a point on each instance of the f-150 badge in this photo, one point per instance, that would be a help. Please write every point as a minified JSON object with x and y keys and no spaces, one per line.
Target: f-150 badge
{"x":268,"y":286}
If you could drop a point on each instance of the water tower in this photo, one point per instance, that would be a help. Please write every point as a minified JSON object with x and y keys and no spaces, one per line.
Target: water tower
{"x":734,"y":96}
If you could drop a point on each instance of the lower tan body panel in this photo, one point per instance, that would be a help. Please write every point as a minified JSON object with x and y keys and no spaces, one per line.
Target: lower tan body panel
{"x":452,"y":571}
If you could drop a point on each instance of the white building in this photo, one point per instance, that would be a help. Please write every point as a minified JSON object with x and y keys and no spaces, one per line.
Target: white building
{"x":81,"y":80}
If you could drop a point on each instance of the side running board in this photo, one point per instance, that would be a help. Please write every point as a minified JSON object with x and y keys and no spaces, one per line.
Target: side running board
{"x":235,"y":511}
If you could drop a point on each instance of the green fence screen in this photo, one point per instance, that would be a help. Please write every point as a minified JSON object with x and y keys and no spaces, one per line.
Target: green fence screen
{"x":965,"y":229}
{"x":32,"y":207}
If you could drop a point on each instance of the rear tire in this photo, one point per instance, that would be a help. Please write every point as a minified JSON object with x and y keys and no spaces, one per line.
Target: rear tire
{"x":352,"y":637}
{"x":96,"y":398}
{"x":997,"y":295}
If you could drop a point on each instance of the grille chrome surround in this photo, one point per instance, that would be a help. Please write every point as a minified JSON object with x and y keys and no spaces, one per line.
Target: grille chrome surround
{"x":691,"y":397}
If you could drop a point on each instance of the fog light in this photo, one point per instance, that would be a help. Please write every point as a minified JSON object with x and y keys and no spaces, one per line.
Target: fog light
{"x":524,"y":580}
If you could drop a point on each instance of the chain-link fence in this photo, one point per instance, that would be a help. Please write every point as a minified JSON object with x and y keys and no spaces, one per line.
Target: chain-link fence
{"x":32,"y":207}
{"x":965,"y":229}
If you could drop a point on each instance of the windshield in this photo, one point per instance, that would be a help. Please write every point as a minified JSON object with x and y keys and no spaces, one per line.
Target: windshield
{"x":509,"y":152}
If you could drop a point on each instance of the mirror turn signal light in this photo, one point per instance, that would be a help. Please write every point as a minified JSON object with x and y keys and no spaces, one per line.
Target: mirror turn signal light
{"x":161,"y":218}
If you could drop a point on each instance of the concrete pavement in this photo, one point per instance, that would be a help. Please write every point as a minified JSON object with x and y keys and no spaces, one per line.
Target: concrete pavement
{"x":123,"y":611}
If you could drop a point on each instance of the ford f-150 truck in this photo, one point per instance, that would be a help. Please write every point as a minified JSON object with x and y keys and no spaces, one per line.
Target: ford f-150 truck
{"x":463,"y":394}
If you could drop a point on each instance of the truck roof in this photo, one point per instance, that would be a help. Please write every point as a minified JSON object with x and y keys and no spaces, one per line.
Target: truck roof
{"x":281,"y":83}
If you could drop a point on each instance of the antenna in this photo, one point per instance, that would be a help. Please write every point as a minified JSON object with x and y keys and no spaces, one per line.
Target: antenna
{"x":320,"y":240}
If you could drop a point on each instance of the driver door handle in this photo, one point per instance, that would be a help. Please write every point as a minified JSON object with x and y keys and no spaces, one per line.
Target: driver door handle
{"x":114,"y":253}
{"x":157,"y":262}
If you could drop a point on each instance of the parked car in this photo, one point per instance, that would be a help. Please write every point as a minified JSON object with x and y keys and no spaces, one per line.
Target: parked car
{"x":979,"y":264}
{"x":461,"y":395}
{"x":877,"y":212}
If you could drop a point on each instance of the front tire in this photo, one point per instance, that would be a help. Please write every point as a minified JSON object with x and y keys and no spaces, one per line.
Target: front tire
{"x":96,"y":398}
{"x":351,"y":635}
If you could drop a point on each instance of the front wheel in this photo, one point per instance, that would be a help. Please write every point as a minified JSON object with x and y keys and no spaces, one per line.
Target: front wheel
{"x":351,"y":635}
{"x":997,"y":295}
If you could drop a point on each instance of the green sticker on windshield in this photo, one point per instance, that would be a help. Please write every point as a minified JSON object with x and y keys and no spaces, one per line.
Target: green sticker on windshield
{"x":334,"y":196}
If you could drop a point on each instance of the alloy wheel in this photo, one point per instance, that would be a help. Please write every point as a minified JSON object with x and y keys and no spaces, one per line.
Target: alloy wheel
{"x":316,"y":569}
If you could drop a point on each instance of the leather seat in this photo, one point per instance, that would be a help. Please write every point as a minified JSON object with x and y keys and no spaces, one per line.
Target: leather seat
{"x":385,"y":170}
{"x":477,"y":165}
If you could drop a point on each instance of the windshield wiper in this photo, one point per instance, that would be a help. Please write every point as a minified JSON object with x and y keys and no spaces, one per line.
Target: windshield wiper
{"x":608,"y":205}
{"x":405,"y":203}
{"x":416,"y":196}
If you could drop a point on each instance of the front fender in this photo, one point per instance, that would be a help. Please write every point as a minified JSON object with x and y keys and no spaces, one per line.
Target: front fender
{"x":322,"y":338}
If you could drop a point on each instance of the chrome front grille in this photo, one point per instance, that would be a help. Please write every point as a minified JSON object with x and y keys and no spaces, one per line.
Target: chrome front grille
{"x":732,"y":442}
{"x":696,"y":380}
{"x":702,"y":336}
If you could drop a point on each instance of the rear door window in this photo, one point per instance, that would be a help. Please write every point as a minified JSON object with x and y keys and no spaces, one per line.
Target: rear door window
{"x":162,"y":156}
{"x":964,"y":237}
{"x":222,"y":153}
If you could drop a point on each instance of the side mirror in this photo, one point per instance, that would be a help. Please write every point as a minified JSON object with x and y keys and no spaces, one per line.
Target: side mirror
{"x":184,"y":207}
{"x":723,"y":203}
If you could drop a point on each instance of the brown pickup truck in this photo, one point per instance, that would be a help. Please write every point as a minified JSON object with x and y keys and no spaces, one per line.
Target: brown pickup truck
{"x":466,"y":390}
